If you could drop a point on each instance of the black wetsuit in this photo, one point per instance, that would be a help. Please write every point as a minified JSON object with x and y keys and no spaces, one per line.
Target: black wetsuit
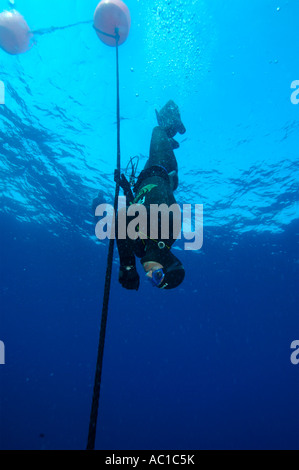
{"x":155,"y":185}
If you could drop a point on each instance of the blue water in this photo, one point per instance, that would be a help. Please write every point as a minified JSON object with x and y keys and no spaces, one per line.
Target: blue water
{"x":206,"y":366}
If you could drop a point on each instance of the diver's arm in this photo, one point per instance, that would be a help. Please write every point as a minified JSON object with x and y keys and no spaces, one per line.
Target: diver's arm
{"x":128,"y":275}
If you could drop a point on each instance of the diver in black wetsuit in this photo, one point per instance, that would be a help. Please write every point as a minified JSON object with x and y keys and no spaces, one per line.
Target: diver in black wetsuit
{"x":155,"y":185}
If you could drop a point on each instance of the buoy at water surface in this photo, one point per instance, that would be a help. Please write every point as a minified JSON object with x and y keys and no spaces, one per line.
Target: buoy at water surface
{"x":15,"y":35}
{"x":109,"y":16}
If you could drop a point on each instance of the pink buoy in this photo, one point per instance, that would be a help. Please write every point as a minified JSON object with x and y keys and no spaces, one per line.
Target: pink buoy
{"x":15,"y":35}
{"x":109,"y":15}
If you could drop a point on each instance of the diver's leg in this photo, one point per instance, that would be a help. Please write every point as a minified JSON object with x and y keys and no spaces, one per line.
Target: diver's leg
{"x":163,"y":144}
{"x":161,"y":152}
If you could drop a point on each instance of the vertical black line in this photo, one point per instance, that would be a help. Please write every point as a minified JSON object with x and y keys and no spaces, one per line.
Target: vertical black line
{"x":118,"y":101}
{"x":99,"y":365}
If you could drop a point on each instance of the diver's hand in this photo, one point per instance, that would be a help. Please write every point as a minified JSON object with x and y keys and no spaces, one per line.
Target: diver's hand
{"x":129,"y":277}
{"x":125,"y":185}
{"x":120,"y":179}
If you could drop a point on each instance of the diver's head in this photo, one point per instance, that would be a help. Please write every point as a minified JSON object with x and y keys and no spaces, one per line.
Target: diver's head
{"x":163,"y":268}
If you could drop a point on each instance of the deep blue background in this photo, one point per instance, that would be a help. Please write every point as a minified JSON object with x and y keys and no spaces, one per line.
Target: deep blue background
{"x":212,"y":371}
